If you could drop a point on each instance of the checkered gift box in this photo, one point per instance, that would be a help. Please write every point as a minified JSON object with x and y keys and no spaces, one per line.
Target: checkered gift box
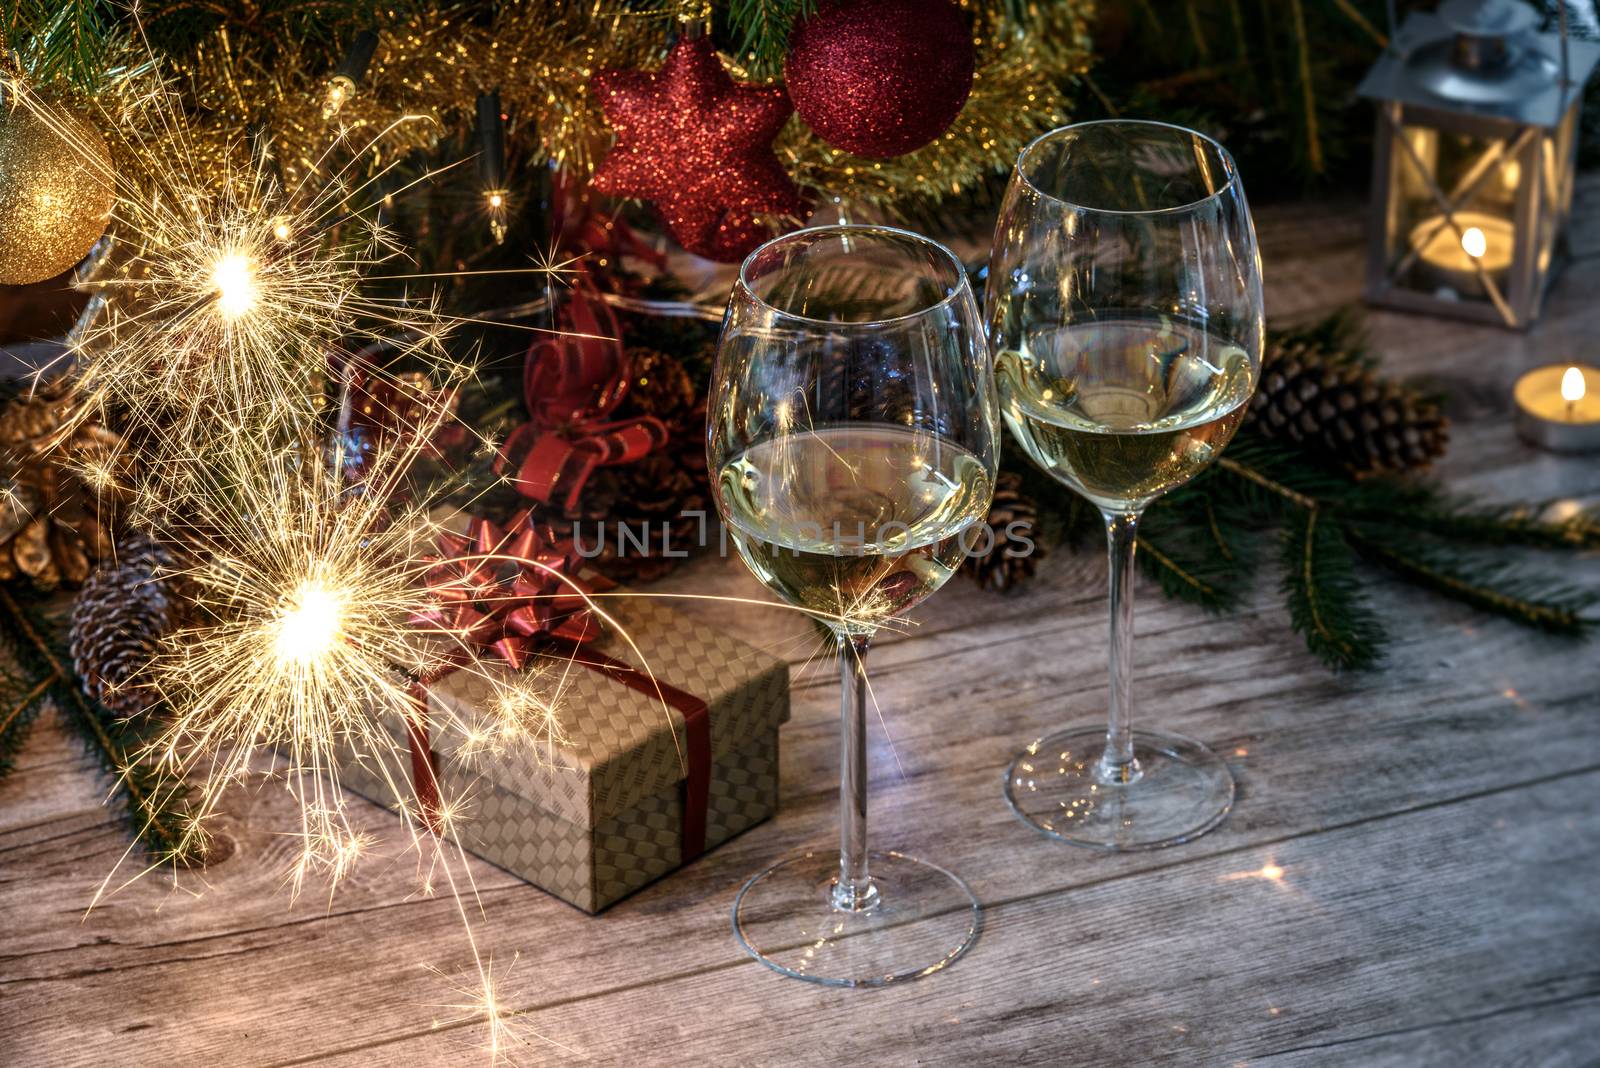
{"x":618,"y":801}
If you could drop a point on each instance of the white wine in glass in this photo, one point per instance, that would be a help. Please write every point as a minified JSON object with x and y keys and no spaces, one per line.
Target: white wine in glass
{"x":853,"y":439}
{"x":1124,"y":410}
{"x":856,"y":523}
{"x":1124,"y":309}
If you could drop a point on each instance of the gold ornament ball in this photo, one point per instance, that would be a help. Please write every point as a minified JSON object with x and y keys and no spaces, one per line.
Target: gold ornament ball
{"x":55,"y":191}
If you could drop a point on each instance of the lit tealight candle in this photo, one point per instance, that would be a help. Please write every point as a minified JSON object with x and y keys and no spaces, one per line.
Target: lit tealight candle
{"x":1558,"y":407}
{"x":1454,"y":253}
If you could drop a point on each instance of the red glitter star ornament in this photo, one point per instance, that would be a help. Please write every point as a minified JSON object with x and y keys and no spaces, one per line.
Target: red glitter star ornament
{"x":699,"y":147}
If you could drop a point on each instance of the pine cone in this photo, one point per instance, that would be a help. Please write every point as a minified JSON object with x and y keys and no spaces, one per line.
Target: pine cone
{"x":995,"y":570}
{"x":660,"y":386}
{"x":119,"y":618}
{"x":1343,"y":414}
{"x":652,"y":492}
{"x":643,"y":497}
{"x":57,"y":481}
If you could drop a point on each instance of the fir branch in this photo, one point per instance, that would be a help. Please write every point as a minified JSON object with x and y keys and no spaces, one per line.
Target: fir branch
{"x":156,"y":807}
{"x":1326,"y":605}
{"x":1268,"y":483}
{"x":1308,"y":91}
{"x":1427,"y":508}
{"x":1496,"y":586}
{"x":67,"y":40}
{"x":1212,"y":590}
{"x":1210,"y":570}
{"x":17,"y":721}
{"x":762,"y":29}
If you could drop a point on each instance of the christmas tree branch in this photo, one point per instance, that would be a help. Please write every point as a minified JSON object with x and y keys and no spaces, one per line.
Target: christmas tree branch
{"x":1492,"y":587}
{"x":1326,"y":606}
{"x":156,"y":808}
{"x":762,"y":30}
{"x":18,"y":719}
{"x":1178,"y":581}
{"x":1210,"y":572}
{"x":1422,"y":507}
{"x":1259,"y":478}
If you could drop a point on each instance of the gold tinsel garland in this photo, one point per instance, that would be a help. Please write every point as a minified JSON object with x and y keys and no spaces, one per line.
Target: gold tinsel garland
{"x":429,"y":68}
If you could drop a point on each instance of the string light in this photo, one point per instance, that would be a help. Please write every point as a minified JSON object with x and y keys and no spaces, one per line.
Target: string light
{"x":339,"y":90}
{"x":497,"y":205}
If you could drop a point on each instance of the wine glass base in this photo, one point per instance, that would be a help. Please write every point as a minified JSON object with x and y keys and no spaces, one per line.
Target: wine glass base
{"x":1183,"y":790}
{"x":923,"y":918}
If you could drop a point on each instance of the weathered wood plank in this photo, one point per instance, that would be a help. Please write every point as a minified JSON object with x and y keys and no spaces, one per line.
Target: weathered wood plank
{"x":1313,"y":767}
{"x":1395,"y":922}
{"x":1558,"y":1033}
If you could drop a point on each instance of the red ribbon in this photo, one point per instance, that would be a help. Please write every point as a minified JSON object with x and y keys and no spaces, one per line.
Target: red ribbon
{"x":571,"y":383}
{"x":499,"y":589}
{"x":696,"y":786}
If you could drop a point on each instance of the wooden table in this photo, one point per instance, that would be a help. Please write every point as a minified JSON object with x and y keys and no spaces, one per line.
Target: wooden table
{"x":1433,"y":829}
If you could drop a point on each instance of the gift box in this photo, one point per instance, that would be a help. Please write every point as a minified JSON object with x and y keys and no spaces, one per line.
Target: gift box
{"x":668,"y":747}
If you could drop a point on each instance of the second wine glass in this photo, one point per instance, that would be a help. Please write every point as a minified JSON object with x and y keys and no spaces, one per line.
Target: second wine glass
{"x":852,"y":442}
{"x":1125,"y":312}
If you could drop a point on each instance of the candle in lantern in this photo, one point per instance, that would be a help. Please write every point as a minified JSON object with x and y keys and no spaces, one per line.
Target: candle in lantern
{"x":1558,"y":407}
{"x":1453,"y":254}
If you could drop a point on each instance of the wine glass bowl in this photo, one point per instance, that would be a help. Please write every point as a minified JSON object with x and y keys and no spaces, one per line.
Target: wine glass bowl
{"x":1124,"y":308}
{"x":852,"y":443}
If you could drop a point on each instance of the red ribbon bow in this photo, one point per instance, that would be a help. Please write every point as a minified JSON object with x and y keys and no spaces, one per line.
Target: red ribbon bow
{"x":571,"y":383}
{"x":498,"y":589}
{"x":582,"y":228}
{"x":502,"y":589}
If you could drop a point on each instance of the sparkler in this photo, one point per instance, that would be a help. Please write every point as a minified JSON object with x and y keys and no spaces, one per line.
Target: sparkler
{"x":223,"y":310}
{"x":304,"y":591}
{"x":232,"y":300}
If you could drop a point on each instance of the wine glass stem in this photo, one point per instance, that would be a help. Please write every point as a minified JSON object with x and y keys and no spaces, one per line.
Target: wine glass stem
{"x":1117,"y":764}
{"x":853,"y":892}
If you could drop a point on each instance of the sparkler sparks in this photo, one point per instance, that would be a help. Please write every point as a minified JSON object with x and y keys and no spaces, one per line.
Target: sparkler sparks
{"x":305,"y":595}
{"x":227,"y":298}
{"x":223,"y":309}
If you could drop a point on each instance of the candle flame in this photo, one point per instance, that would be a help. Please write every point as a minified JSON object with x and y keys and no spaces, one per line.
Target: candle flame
{"x":1473,"y":243}
{"x":1573,"y":386}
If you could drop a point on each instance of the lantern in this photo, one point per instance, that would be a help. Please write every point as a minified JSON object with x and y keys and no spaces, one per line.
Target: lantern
{"x":1473,"y":160}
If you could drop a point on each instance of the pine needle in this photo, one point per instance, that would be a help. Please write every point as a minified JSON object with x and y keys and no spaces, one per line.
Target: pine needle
{"x":762,"y":29}
{"x":1420,"y":506}
{"x":1194,"y":554}
{"x":1326,"y":605}
{"x":1308,"y":92}
{"x":1497,"y":586}
{"x":17,"y":720}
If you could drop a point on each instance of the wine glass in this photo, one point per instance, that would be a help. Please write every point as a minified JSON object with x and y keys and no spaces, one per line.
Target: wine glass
{"x":852,"y":438}
{"x":1124,"y":310}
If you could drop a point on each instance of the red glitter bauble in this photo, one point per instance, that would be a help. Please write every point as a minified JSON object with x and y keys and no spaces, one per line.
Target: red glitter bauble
{"x":699,"y":147}
{"x":881,"y":78}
